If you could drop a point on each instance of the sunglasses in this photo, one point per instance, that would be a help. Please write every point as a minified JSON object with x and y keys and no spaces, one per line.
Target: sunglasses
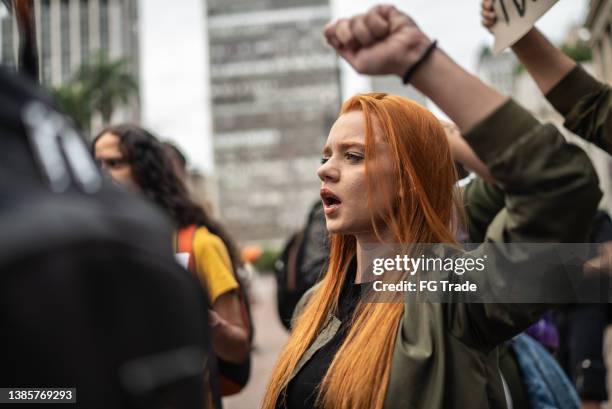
{"x":111,"y":163}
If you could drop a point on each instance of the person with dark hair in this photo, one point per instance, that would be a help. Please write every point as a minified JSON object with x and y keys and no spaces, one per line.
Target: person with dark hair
{"x":178,"y":159}
{"x":92,"y":298}
{"x":136,"y":159}
{"x":93,"y":302}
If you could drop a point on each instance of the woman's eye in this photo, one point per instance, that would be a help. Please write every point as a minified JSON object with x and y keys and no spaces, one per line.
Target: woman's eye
{"x":353,"y":157}
{"x":324,"y":160}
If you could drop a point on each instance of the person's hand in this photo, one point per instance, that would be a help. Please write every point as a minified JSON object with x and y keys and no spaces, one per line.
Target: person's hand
{"x":214,"y":319}
{"x":382,"y":41}
{"x":487,"y":12}
{"x":454,"y":138}
{"x":463,"y":153}
{"x":602,"y":263}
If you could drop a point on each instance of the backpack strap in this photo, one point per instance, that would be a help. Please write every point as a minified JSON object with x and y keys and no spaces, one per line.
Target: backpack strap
{"x":184,"y":238}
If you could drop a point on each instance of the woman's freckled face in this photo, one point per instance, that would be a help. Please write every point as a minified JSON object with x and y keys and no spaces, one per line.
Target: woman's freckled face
{"x":343,"y":175}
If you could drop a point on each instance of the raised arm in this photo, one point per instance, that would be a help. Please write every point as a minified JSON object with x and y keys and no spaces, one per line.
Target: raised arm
{"x":584,"y":102}
{"x":550,"y":187}
{"x":545,"y":62}
{"x":386,"y":41}
{"x":500,"y":132}
{"x":482,"y":199}
{"x":463,"y":153}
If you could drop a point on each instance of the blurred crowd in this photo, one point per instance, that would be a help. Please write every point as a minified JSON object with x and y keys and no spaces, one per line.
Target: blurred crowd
{"x":116,"y":281}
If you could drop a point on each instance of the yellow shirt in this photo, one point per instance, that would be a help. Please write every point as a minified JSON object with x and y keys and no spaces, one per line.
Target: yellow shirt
{"x":213,"y":264}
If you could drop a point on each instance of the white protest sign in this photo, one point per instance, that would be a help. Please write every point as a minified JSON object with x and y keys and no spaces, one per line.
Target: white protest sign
{"x":515,"y":18}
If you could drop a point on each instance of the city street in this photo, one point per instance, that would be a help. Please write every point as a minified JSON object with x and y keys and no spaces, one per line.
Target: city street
{"x":270,"y":336}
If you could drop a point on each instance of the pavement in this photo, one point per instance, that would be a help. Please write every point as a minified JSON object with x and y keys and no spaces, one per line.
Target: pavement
{"x":270,"y":337}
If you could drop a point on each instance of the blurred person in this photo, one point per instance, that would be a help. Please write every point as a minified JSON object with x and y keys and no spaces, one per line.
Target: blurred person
{"x":584,"y":102}
{"x":388,"y":177}
{"x":532,"y":378}
{"x":191,"y":180}
{"x":250,"y":255}
{"x":586,"y":106}
{"x":92,"y":298}
{"x":179,"y":161}
{"x":137,"y":160}
{"x":302,"y":263}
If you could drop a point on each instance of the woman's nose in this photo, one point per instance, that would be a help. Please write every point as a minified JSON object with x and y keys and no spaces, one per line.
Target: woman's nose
{"x":328,"y":173}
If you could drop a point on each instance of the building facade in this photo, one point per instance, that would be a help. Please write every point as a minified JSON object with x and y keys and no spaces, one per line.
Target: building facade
{"x":275,"y":93}
{"x":69,"y":32}
{"x":599,"y":23}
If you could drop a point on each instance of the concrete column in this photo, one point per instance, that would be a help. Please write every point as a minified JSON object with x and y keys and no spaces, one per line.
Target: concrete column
{"x":75,"y":35}
{"x":56,"y":43}
{"x":115,"y":29}
{"x":94,"y":25}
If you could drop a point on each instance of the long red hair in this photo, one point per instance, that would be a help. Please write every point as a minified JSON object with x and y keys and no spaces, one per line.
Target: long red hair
{"x":423,"y":212}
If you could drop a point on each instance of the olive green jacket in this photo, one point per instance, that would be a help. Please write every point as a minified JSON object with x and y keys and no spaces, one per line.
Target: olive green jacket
{"x":446,"y":355}
{"x":586,"y":106}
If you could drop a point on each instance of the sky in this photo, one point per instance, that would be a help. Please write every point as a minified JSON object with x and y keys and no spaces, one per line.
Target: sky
{"x":456,"y":26}
{"x":174,"y":58}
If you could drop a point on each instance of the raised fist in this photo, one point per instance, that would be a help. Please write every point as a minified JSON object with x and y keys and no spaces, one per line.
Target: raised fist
{"x":382,"y":41}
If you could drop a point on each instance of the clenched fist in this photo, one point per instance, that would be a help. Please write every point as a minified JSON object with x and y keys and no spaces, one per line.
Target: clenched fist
{"x":382,"y":41}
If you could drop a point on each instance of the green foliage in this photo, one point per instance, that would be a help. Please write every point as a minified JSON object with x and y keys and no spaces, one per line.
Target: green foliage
{"x":98,"y":86}
{"x":580,"y":51}
{"x":72,"y":100}
{"x":265,"y":263}
{"x":518,"y":69}
{"x":107,"y":83}
{"x":485,"y":51}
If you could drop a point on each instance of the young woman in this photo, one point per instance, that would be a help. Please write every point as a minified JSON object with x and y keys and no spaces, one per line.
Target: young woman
{"x":387,"y":177}
{"x":134,"y":158}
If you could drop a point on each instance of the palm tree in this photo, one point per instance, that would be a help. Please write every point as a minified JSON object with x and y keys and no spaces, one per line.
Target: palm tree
{"x":106,"y":84}
{"x":98,"y":86}
{"x":73,"y":101}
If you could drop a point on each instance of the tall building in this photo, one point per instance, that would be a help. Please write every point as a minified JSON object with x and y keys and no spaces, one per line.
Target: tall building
{"x":500,"y":70}
{"x":275,"y":93}
{"x":599,"y":23}
{"x":69,"y":32}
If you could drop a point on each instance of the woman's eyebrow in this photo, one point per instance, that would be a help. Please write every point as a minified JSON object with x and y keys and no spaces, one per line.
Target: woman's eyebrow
{"x":351,"y":144}
{"x":344,"y":145}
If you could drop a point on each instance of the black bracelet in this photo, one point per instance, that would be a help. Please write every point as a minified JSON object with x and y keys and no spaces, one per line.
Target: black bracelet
{"x":410,"y":72}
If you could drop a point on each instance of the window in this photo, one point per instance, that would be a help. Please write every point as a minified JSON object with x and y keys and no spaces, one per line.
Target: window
{"x":65,"y":38}
{"x":45,"y":36}
{"x":84,"y":30}
{"x":8,"y":52}
{"x":104,"y":27}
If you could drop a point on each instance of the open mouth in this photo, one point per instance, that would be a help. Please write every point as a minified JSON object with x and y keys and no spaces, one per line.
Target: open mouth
{"x":331,"y":202}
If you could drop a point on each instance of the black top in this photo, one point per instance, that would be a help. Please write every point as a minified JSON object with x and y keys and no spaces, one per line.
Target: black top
{"x":303,"y":389}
